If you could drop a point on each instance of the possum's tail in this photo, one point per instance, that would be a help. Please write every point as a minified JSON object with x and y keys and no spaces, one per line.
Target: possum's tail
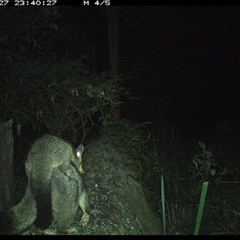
{"x":41,"y":191}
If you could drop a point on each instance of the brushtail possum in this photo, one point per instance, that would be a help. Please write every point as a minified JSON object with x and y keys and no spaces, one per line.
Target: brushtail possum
{"x":48,"y":153}
{"x":67,"y":194}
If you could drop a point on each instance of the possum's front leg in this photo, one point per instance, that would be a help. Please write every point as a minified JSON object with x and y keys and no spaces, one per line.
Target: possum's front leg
{"x":65,"y":169}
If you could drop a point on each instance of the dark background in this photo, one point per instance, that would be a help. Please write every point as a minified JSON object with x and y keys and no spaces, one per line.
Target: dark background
{"x":183,"y":61}
{"x":183,"y":64}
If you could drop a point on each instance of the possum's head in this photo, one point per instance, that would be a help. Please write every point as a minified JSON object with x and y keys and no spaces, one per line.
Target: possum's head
{"x":78,"y":158}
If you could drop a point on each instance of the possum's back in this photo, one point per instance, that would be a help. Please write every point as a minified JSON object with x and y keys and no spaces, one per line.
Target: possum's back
{"x":48,"y":152}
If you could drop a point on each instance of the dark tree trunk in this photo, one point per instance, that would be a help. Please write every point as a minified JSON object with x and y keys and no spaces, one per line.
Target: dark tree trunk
{"x":6,"y":166}
{"x":113,"y":46}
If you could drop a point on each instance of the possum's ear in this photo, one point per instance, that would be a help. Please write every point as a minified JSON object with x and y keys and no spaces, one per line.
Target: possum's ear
{"x":79,"y":150}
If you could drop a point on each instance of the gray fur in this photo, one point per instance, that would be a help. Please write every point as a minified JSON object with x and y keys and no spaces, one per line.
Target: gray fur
{"x":67,"y":194}
{"x":47,"y":154}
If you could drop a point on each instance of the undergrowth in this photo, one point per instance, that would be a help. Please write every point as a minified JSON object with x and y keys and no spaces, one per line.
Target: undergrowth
{"x":185,"y":165}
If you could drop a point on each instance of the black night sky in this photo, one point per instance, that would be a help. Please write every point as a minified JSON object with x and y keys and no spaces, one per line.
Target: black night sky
{"x":185,"y":61}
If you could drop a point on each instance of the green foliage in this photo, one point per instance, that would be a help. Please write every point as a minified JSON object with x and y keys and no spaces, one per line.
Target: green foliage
{"x":24,"y":31}
{"x":169,"y":155}
{"x":44,"y":78}
{"x":64,"y":97}
{"x":205,"y":166}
